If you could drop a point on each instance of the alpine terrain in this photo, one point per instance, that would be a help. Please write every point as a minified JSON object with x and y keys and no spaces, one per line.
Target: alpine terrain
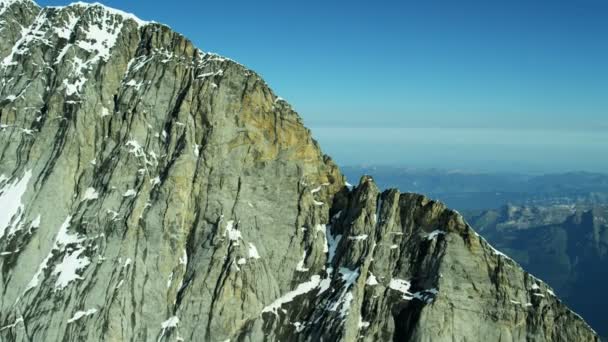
{"x":153,"y":192}
{"x":565,"y":245}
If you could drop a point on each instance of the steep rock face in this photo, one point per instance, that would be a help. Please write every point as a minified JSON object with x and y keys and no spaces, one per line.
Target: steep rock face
{"x":150,"y":191}
{"x":568,"y":251}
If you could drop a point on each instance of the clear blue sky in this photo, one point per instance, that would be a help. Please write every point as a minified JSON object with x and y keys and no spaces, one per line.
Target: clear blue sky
{"x":513,"y":65}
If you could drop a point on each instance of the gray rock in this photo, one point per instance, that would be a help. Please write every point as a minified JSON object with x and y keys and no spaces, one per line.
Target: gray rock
{"x":154,"y":192}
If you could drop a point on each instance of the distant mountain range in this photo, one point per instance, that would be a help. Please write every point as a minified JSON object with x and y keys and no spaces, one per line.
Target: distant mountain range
{"x":565,"y":245}
{"x":470,"y":191}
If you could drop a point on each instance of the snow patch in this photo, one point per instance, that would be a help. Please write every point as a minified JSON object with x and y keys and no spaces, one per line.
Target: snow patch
{"x":300,"y":266}
{"x":371,"y":280}
{"x":71,"y":263}
{"x":344,"y":300}
{"x":183,"y":260}
{"x":67,"y":270}
{"x":253,"y":252}
{"x":155,"y":181}
{"x":80,"y":314}
{"x":231,"y":233}
{"x":362,"y":324}
{"x":11,"y":210}
{"x":36,"y":223}
{"x":170,"y":323}
{"x":90,"y":194}
{"x":317,"y":203}
{"x":301,"y":289}
{"x":358,"y":237}
{"x":435,"y":233}
{"x":402,"y":286}
{"x":130,"y":193}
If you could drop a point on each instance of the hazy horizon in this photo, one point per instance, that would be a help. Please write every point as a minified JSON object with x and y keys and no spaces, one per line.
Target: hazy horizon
{"x":470,"y":149}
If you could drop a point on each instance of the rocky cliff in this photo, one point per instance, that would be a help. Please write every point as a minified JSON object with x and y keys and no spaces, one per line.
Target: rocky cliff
{"x":153,"y":192}
{"x":566,"y":246}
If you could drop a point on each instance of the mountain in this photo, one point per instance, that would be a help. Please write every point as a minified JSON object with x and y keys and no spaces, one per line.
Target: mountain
{"x":568,"y":247}
{"x":154,"y":192}
{"x":481,"y":191}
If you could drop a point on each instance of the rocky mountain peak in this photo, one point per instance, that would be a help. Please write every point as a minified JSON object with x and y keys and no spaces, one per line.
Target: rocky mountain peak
{"x":151,"y":191}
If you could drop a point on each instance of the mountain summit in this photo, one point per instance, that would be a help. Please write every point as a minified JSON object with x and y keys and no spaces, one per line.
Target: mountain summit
{"x":153,"y":192}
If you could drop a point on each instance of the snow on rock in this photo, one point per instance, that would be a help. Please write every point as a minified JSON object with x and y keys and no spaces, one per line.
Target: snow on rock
{"x":67,"y":270}
{"x":253,"y":252}
{"x":300,"y":266}
{"x":73,"y":87}
{"x":435,"y":233}
{"x":36,"y":223}
{"x":36,"y":278}
{"x":80,"y":314}
{"x":494,"y":250}
{"x":362,"y":324}
{"x":90,"y":194}
{"x":11,"y":207}
{"x":64,"y":237}
{"x":172,"y":322}
{"x":35,"y":33}
{"x":130,"y":193}
{"x":183,"y":260}
{"x":5,"y":4}
{"x":72,"y":262}
{"x":16,"y":322}
{"x":65,"y":31}
{"x":136,"y":148}
{"x":402,"y":286}
{"x":426,"y":296}
{"x":155,"y":181}
{"x":358,"y":237}
{"x":134,"y":84}
{"x":302,"y":288}
{"x":124,"y":15}
{"x":232,"y":233}
{"x":170,"y":280}
{"x":344,"y":300}
{"x":371,"y":280}
{"x":332,"y":244}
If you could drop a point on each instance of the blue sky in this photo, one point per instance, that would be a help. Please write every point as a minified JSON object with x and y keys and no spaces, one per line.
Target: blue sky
{"x":516,"y":65}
